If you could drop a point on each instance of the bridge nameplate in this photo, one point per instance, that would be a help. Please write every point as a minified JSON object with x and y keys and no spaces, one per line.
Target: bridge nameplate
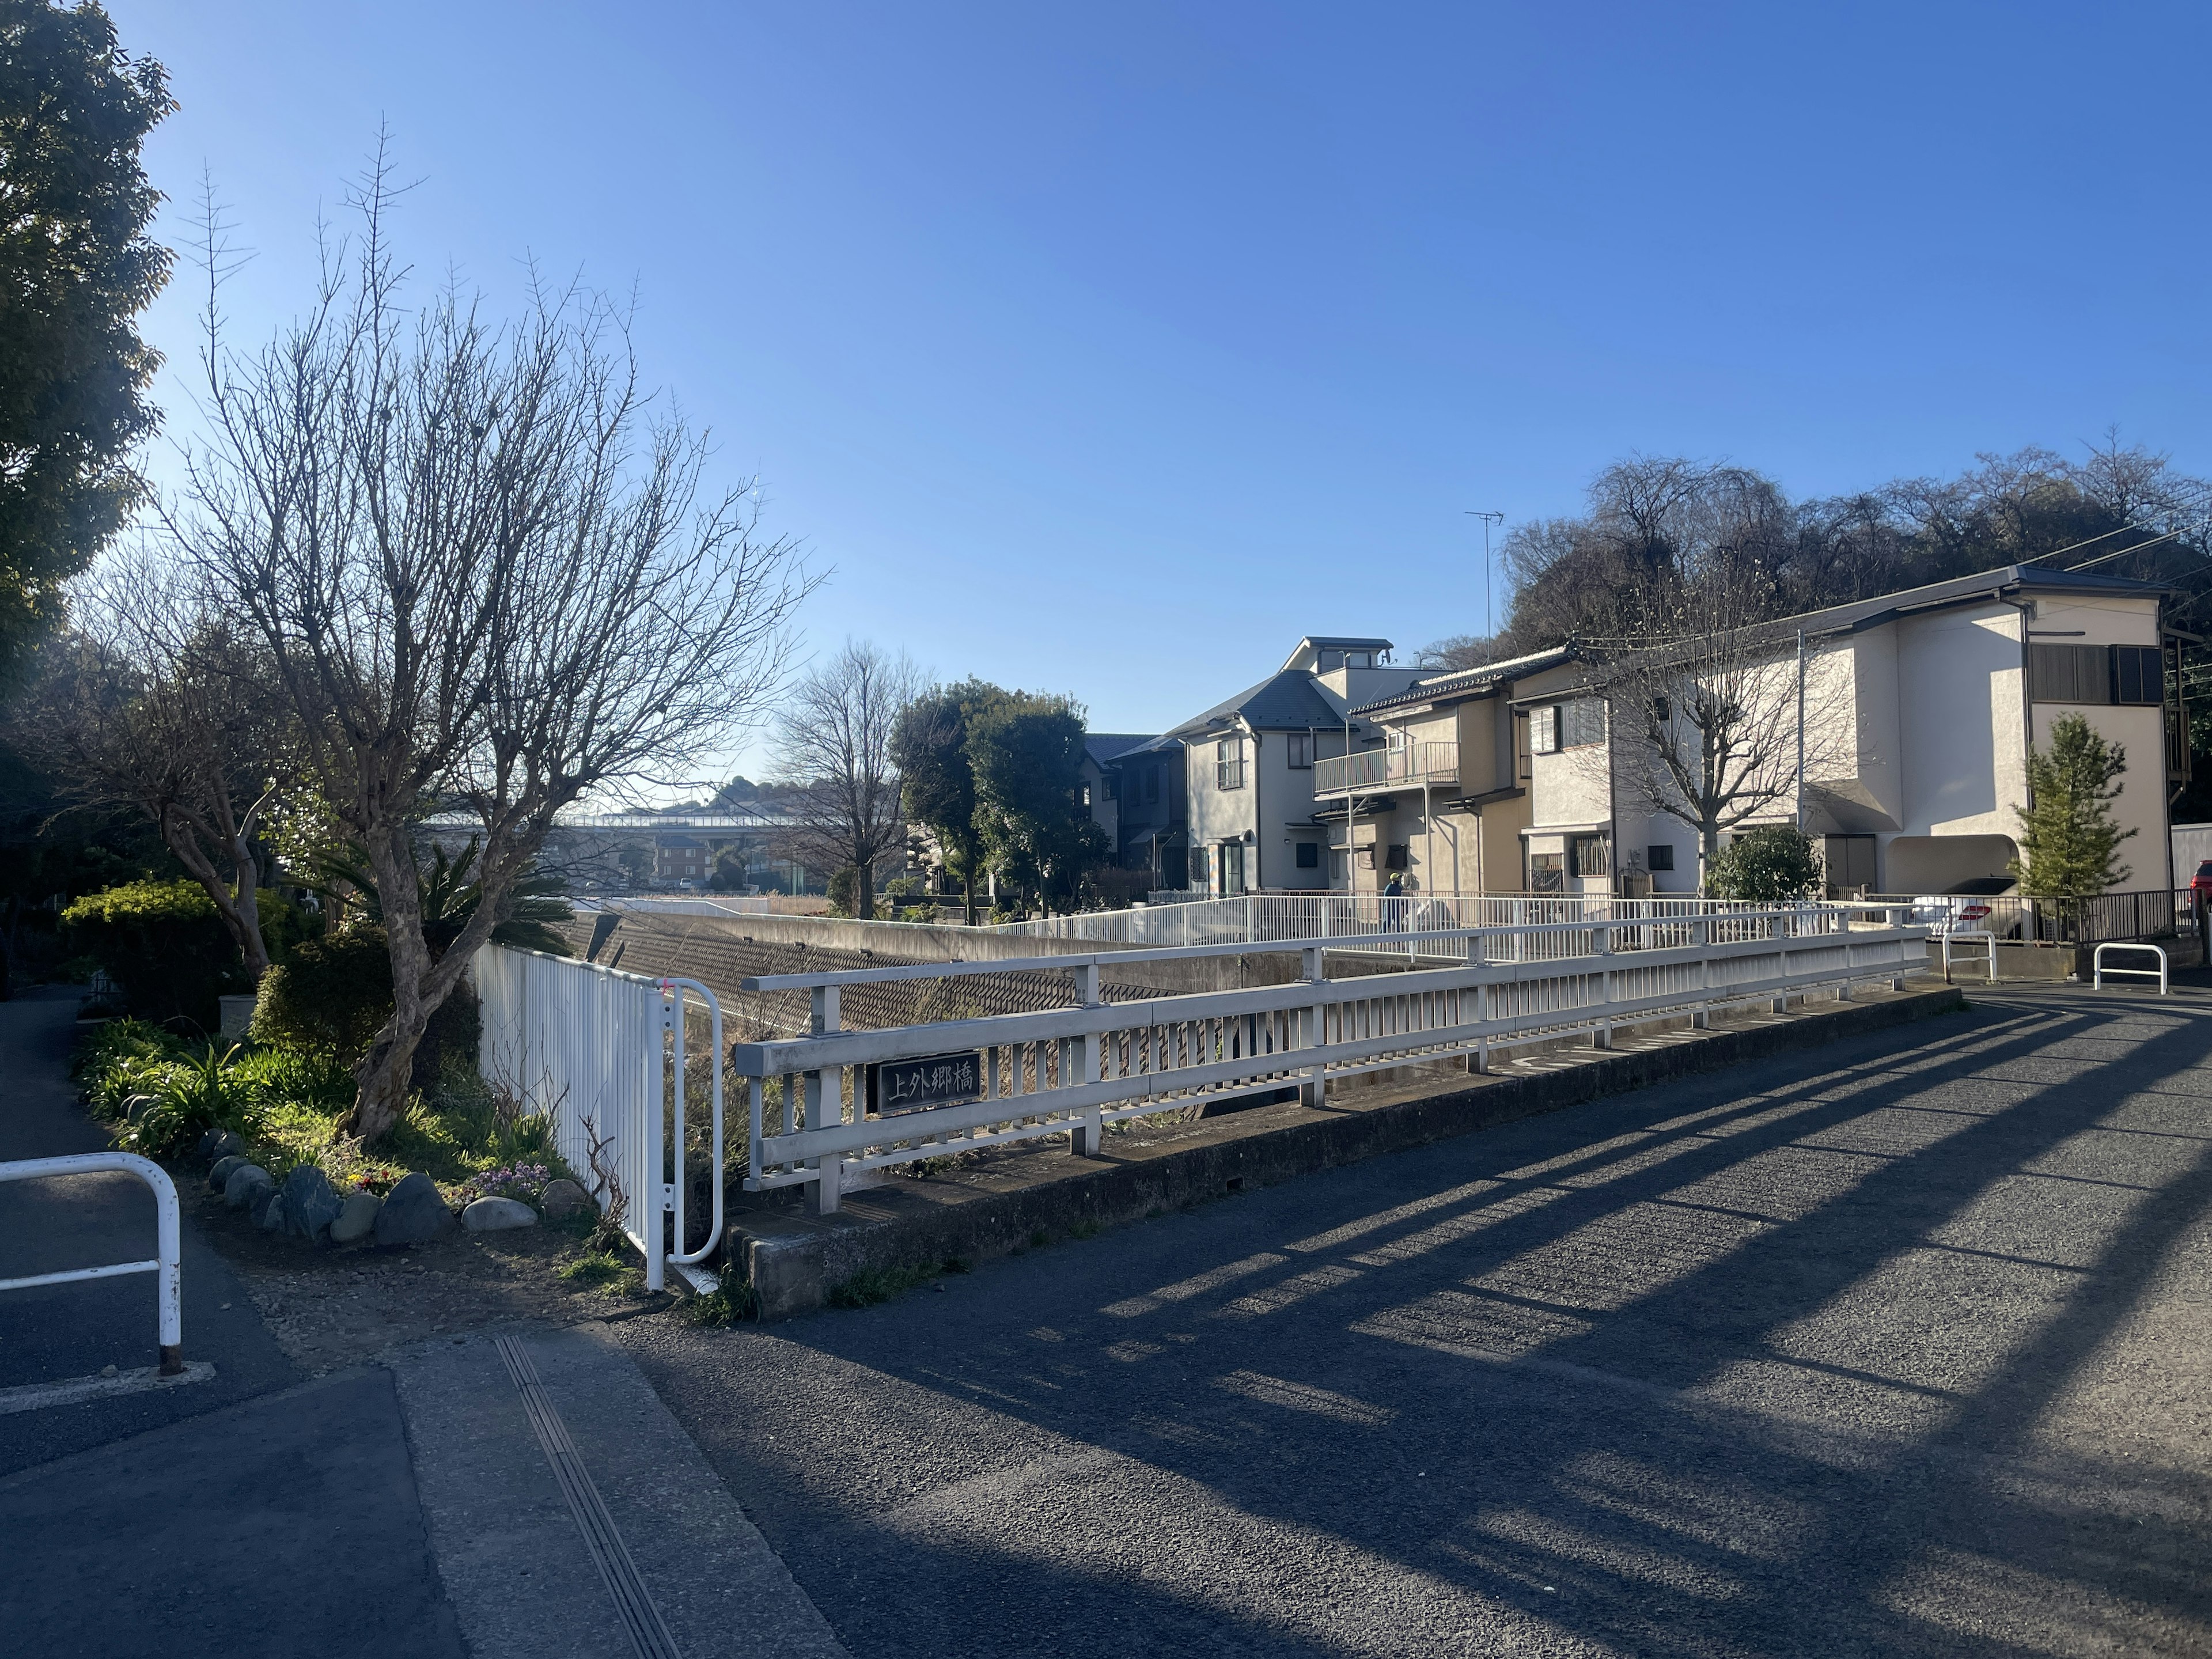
{"x":911,"y":1085}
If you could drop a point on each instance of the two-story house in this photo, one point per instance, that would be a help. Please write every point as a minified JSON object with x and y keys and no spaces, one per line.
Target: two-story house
{"x":1249,"y":764}
{"x":1914,"y":713}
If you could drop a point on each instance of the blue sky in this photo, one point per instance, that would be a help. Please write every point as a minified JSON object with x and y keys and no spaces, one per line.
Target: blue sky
{"x":1109,"y":349}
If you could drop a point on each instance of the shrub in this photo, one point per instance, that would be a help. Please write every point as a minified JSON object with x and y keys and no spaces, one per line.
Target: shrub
{"x":330,"y":998}
{"x":1773,"y":864}
{"x":189,"y":1098}
{"x":334,"y":995}
{"x":162,"y":942}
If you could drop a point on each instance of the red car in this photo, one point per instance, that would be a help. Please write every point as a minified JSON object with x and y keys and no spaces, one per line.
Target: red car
{"x":2200,"y":885}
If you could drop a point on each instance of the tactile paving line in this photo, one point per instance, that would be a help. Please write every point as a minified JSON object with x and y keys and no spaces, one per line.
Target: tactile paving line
{"x":648,"y":1635}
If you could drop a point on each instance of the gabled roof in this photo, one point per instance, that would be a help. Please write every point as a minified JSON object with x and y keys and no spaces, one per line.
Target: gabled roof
{"x":1468,"y":682}
{"x":1999,"y":583}
{"x":1284,"y":701}
{"x":1106,"y":746}
{"x":1858,"y":614}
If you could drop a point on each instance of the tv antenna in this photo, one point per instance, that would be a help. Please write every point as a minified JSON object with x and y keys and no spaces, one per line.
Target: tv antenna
{"x":1489,"y":622}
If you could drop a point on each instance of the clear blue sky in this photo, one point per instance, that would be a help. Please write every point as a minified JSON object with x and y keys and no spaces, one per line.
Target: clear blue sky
{"x":1109,"y":349}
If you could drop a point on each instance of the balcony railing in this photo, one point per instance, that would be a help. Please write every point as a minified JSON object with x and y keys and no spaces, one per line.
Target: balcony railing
{"x":1380,"y":769}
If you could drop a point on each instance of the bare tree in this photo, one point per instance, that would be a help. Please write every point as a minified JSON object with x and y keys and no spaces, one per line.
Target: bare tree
{"x":1708,"y":720}
{"x":1459,"y":651}
{"x":484,"y":573}
{"x":151,"y":700}
{"x":834,"y":747}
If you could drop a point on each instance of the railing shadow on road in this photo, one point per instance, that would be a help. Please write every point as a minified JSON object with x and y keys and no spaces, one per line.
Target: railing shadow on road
{"x":1756,"y":1366}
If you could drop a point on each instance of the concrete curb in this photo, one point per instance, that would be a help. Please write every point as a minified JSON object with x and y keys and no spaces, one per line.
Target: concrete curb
{"x":794,"y":1259}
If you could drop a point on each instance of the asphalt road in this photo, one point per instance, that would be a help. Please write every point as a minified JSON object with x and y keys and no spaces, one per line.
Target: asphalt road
{"x":1898,"y":1345}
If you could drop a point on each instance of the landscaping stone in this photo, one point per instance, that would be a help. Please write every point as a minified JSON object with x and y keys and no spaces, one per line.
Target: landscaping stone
{"x":267,"y":1208}
{"x":243,"y":1183}
{"x":357,"y":1220}
{"x":564,"y":1197}
{"x":414,"y":1212}
{"x":493,"y":1215}
{"x":219,"y":1176}
{"x":227,"y":1143}
{"x":207,"y":1141}
{"x":311,"y":1203}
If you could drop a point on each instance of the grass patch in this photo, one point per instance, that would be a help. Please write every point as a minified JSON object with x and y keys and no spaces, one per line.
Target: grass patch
{"x":602,"y":1273}
{"x":872,"y":1284}
{"x":731,"y":1301}
{"x":1085,"y":1228}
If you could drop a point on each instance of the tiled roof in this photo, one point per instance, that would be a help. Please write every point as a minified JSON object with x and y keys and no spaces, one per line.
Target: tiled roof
{"x":1285,"y":702}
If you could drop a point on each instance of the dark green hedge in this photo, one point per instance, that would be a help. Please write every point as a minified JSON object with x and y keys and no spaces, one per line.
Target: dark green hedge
{"x":163,"y":942}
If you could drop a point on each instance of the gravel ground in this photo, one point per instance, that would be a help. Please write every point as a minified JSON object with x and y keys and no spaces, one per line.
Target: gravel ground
{"x":331,"y":1309}
{"x":1898,"y":1345}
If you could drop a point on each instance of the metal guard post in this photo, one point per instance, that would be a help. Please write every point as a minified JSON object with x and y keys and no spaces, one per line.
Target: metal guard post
{"x":2098,"y":970}
{"x":675,"y":987}
{"x":168,"y":1262}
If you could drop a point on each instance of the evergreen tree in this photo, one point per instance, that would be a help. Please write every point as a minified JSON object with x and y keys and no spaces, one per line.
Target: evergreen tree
{"x":77,"y":266}
{"x":2069,"y":844}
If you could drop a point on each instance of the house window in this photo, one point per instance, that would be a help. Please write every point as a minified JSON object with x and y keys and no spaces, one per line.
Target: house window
{"x":1198,"y":878}
{"x":1661,"y":710}
{"x":1152,"y":783}
{"x":2138,"y":678}
{"x":2070,"y":673}
{"x":1308,"y":855}
{"x":1394,"y":858}
{"x":1300,"y":745}
{"x":1586,"y":856}
{"x":1546,"y":873}
{"x":1086,"y":795}
{"x":1229,"y":764}
{"x":1582,"y":722}
{"x":1544,"y":731}
{"x":1661,"y":858}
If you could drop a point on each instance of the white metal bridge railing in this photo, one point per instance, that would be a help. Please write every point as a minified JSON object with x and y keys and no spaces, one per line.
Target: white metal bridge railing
{"x":1357,"y":920}
{"x":826,"y":1105}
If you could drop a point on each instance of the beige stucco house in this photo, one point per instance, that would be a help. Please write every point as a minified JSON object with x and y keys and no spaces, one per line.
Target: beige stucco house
{"x":1918,"y":711}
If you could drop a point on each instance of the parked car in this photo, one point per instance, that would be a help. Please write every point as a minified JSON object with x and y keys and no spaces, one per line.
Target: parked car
{"x":2200,"y":885}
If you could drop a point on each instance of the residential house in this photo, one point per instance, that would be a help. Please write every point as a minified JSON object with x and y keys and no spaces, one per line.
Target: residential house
{"x":1151,"y":800}
{"x":1440,"y":801}
{"x":1248,"y":765}
{"x":1100,"y":779}
{"x":1915,"y":718}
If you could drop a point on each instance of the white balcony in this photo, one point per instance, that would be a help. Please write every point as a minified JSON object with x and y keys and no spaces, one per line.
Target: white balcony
{"x":1410,"y":764}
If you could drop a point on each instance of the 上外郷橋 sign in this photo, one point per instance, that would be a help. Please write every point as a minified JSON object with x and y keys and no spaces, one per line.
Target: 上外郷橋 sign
{"x":909,"y":1085}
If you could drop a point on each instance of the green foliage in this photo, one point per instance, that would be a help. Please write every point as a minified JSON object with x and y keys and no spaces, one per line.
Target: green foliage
{"x":936,"y":785}
{"x":732,"y":1299}
{"x":448,"y":898}
{"x":1026,"y":750}
{"x":185,"y":1100}
{"x":162,"y":942}
{"x":76,"y":266}
{"x":2069,"y":844}
{"x":330,"y":997}
{"x":1773,"y":864}
{"x":601,"y":1270}
{"x":870,"y":1285}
